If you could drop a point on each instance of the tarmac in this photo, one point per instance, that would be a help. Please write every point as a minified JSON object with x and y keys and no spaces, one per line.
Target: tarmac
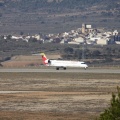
{"x":68,"y":70}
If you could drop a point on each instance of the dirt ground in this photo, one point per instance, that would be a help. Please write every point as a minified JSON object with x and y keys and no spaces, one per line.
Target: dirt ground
{"x":25,"y":60}
{"x":55,"y":96}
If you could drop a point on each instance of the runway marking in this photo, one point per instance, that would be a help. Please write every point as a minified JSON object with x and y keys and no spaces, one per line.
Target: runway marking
{"x":63,"y":71}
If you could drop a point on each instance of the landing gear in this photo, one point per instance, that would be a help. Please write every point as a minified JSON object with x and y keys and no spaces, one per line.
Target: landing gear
{"x":85,"y":68}
{"x":57,"y":68}
{"x":64,"y":68}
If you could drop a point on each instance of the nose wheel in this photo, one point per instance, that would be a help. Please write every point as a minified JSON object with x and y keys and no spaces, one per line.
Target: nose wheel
{"x":57,"y":68}
{"x":64,"y":68}
{"x":85,"y":68}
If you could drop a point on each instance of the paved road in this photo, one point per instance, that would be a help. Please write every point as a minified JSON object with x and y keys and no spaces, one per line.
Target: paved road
{"x":89,"y":70}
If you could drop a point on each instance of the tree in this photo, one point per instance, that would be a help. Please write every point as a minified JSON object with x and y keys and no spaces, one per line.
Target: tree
{"x":68,"y":50}
{"x":96,"y":53}
{"x":78,"y":54}
{"x":0,"y":14}
{"x":33,"y":40}
{"x":9,"y":37}
{"x":1,"y":65}
{"x":21,"y":33}
{"x":113,"y":112}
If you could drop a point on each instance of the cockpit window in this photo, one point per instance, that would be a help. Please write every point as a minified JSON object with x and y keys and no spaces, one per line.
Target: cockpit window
{"x":82,"y":63}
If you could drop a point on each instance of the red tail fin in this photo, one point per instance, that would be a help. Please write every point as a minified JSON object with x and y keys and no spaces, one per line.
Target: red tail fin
{"x":44,"y":58}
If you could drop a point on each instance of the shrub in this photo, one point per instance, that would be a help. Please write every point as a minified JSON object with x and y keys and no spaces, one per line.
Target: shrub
{"x":113,"y":112}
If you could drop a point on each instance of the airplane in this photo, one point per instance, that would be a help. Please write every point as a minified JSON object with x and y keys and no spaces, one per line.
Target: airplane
{"x":62,"y":63}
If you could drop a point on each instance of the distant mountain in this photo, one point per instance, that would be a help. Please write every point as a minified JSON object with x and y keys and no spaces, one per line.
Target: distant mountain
{"x":46,"y":16}
{"x":25,"y":5}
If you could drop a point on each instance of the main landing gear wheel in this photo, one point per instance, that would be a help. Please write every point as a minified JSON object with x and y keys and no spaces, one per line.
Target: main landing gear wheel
{"x":57,"y":68}
{"x":64,"y":68}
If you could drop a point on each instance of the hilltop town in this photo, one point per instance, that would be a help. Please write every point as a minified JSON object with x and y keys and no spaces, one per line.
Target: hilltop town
{"x":84,"y":35}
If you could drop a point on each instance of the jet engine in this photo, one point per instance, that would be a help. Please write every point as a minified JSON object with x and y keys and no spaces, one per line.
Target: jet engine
{"x":49,"y":62}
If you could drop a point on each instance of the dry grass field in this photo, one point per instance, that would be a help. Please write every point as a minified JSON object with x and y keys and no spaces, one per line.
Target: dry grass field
{"x":55,"y":96}
{"x":26,"y":60}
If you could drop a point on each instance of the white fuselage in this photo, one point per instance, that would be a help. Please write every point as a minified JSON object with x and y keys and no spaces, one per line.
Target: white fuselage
{"x":63,"y":63}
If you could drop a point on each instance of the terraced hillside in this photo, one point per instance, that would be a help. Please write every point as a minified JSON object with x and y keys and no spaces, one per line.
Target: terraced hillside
{"x":55,"y":16}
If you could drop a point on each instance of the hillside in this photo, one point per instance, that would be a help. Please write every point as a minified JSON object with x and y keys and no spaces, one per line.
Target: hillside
{"x":64,"y":4}
{"x":55,"y":16}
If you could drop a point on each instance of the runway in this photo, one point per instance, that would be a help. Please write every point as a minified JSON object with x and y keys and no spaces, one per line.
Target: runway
{"x":69,"y":70}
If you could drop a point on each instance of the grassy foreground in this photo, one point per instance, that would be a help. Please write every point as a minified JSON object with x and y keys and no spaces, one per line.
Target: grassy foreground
{"x":55,"y":96}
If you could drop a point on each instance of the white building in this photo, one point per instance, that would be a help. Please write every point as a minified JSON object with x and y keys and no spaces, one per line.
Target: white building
{"x":73,"y":42}
{"x":37,"y":37}
{"x":95,"y":38}
{"x":16,"y":37}
{"x":65,"y":34}
{"x":102,"y":41}
{"x":115,"y":32}
{"x":79,"y":40}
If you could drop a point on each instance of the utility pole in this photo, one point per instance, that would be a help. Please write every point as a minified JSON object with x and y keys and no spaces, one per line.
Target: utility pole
{"x":83,"y":49}
{"x":83,"y":52}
